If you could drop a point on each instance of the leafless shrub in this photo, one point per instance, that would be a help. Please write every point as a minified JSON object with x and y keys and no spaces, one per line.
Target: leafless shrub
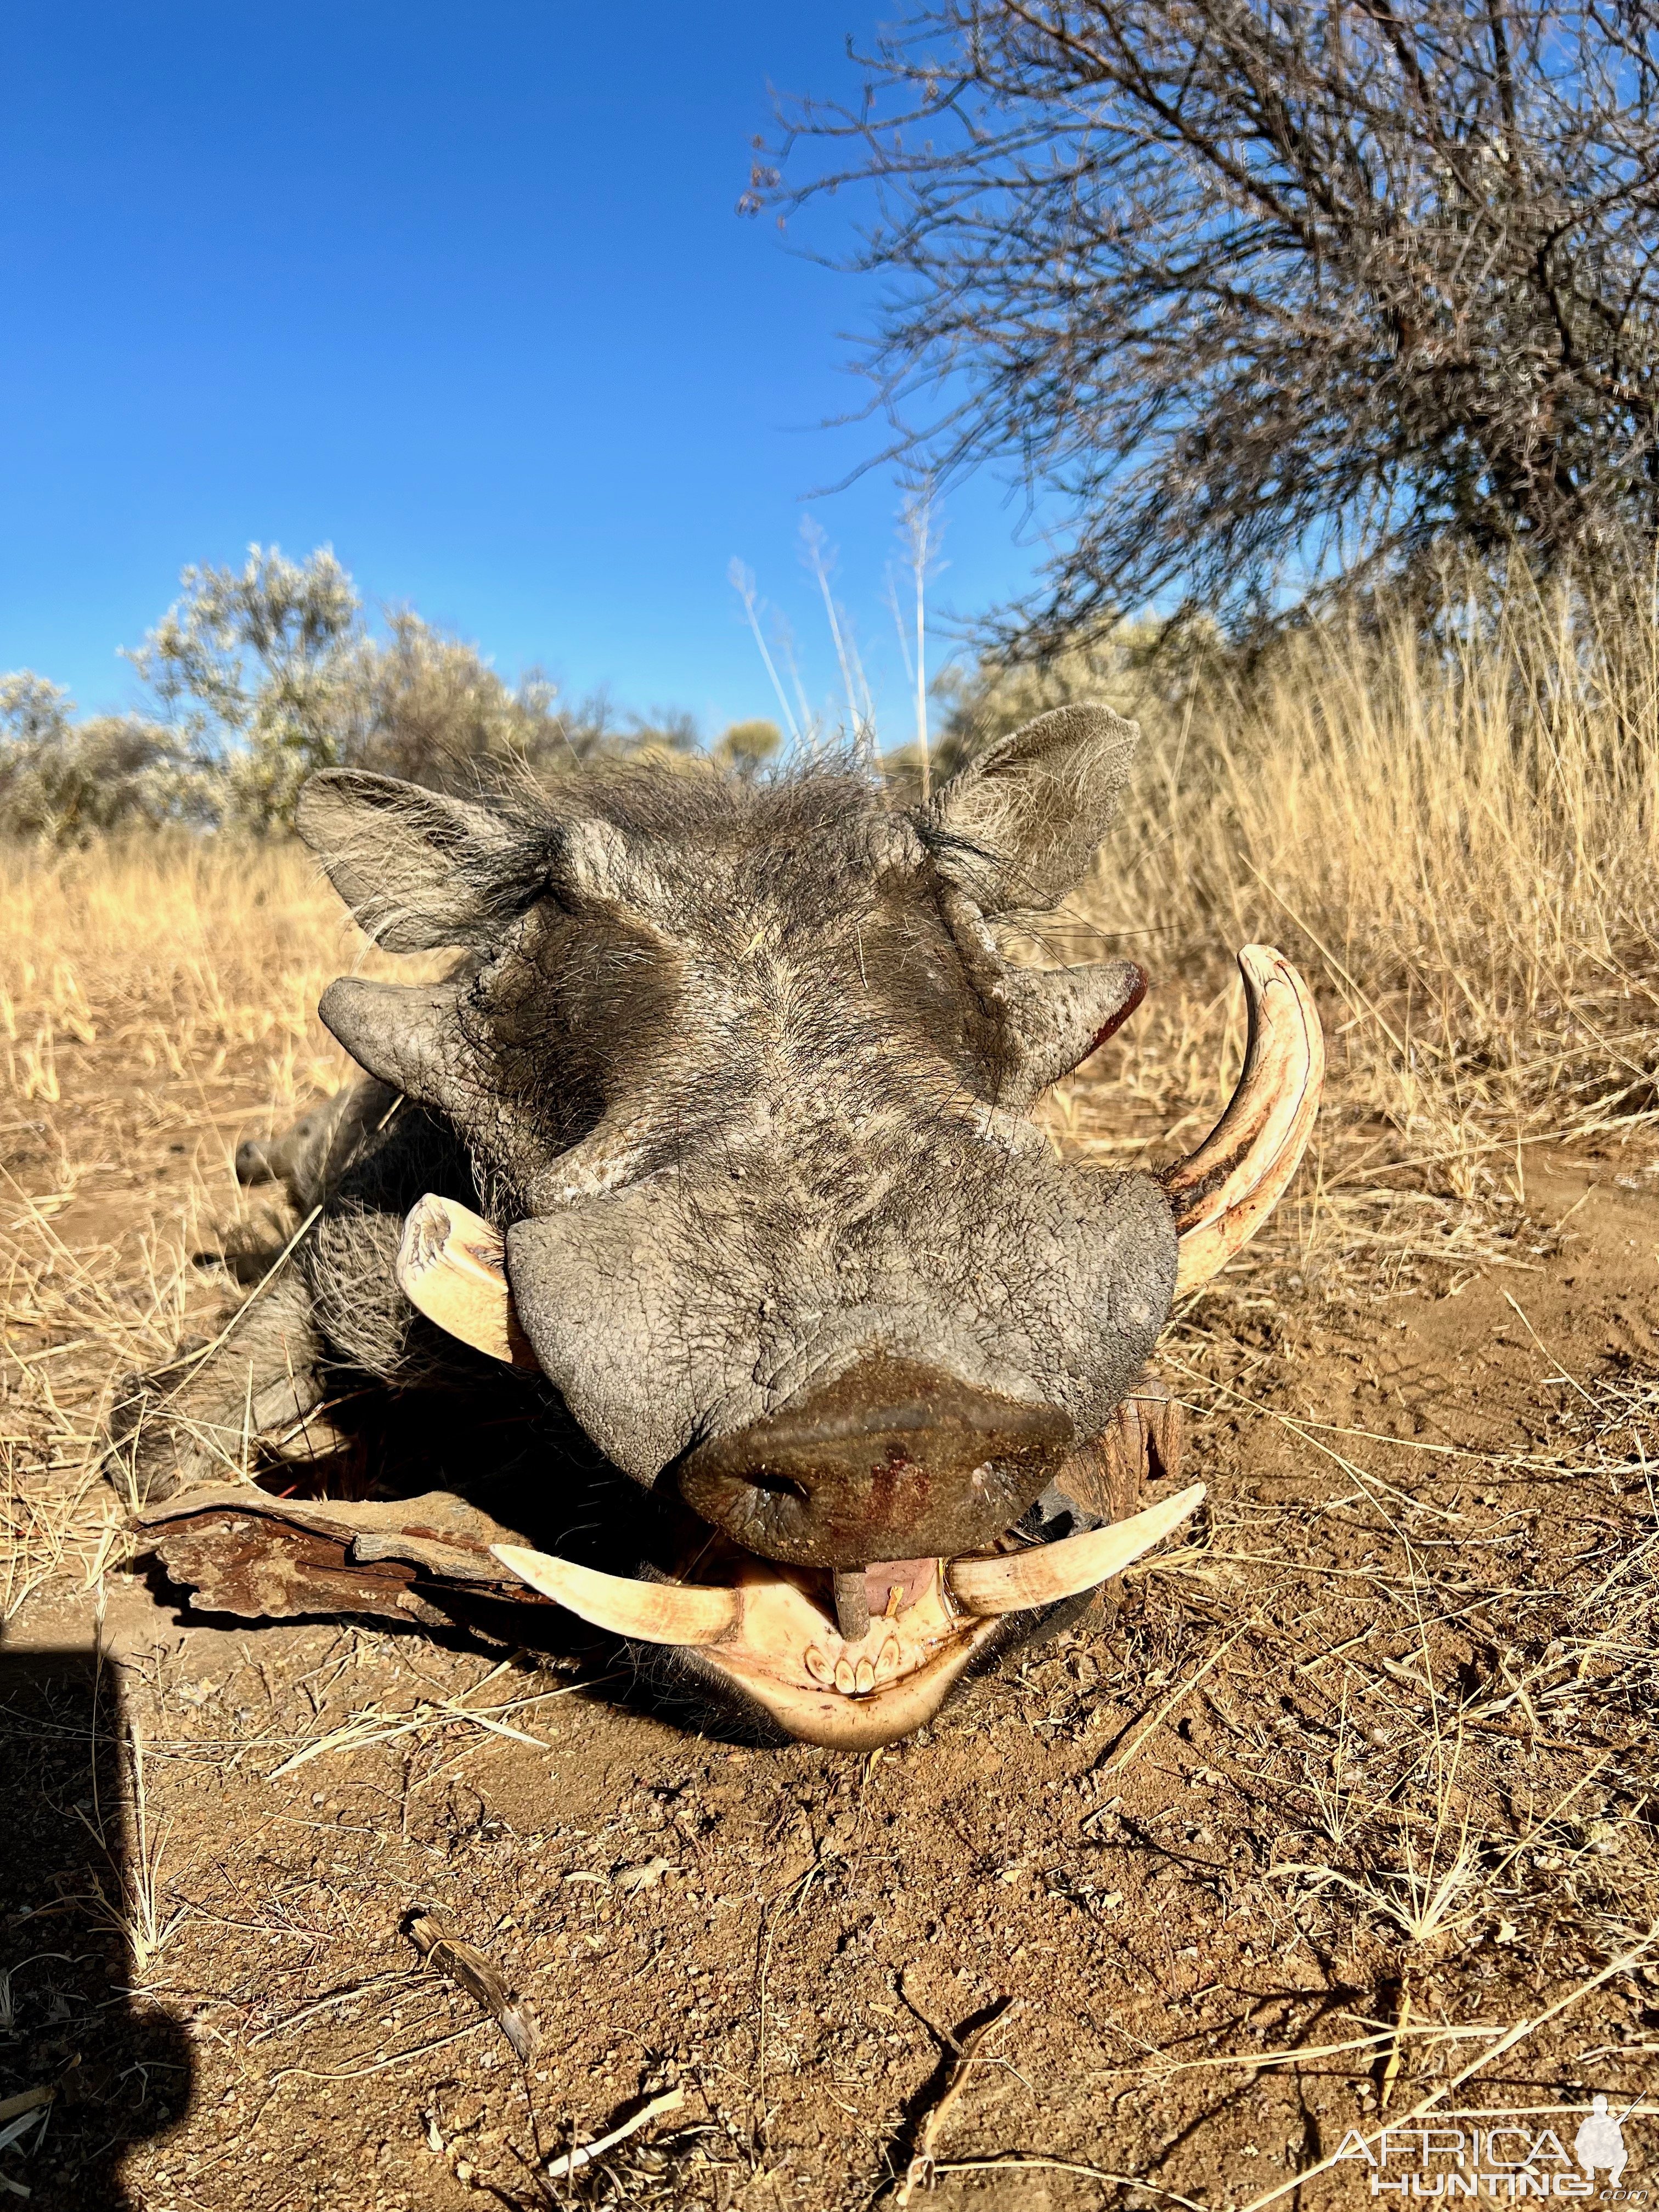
{"x":1262,"y":296}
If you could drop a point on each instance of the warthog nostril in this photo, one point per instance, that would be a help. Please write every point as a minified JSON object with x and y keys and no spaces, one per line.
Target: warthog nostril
{"x":780,"y":1485}
{"x":891,"y":1460}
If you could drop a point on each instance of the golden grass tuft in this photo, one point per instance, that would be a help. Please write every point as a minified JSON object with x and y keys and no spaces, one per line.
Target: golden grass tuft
{"x":157,"y":998}
{"x":178,"y":952}
{"x":1459,"y":841}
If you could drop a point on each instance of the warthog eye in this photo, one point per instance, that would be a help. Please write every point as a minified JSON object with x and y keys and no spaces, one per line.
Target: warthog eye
{"x":779,"y":1485}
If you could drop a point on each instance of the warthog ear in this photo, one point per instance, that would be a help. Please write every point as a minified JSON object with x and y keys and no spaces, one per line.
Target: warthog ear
{"x":418,"y":870}
{"x":1018,"y":827}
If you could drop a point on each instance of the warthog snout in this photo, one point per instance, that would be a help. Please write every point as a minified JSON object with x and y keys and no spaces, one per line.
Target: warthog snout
{"x":890,"y":1459}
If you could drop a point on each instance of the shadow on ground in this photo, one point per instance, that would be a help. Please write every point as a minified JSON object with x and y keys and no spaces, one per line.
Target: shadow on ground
{"x":87,"y":2065}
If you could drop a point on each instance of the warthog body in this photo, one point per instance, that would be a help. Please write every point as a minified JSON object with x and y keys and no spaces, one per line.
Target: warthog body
{"x":741,"y":1076}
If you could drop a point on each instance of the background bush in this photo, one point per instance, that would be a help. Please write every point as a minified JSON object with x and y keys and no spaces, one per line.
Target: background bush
{"x":65,"y":781}
{"x":260,"y":676}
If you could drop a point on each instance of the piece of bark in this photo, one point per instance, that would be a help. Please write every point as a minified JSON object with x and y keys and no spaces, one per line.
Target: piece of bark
{"x":445,"y":1953}
{"x":244,"y":1553}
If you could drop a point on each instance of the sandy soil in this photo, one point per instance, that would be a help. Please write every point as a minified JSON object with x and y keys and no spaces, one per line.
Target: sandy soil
{"x":1364,"y":1774}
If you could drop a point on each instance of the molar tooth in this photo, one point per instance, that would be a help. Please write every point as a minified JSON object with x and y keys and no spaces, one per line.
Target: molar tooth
{"x":846,"y":1679}
{"x":865,"y":1675}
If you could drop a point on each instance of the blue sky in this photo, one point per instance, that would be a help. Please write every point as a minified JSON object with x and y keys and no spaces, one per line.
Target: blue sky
{"x":461,"y":292}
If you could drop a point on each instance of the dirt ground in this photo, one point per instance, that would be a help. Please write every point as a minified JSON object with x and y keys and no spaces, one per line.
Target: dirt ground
{"x":1357,"y":1786}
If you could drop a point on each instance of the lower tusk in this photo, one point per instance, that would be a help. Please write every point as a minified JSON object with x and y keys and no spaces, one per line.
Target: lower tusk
{"x":452,"y":1267}
{"x":649,"y":1613}
{"x":1048,"y":1572}
{"x":1225,"y":1190}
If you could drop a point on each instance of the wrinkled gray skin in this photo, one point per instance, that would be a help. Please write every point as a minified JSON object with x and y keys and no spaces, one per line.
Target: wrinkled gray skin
{"x":742,"y":1075}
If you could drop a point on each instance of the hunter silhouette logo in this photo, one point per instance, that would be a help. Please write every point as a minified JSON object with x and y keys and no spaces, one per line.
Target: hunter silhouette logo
{"x":1599,"y":2142}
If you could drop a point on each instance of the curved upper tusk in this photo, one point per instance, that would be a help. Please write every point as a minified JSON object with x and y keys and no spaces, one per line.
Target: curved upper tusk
{"x":452,"y":1267}
{"x":1224,"y":1192}
{"x":650,"y":1613}
{"x":1048,"y":1572}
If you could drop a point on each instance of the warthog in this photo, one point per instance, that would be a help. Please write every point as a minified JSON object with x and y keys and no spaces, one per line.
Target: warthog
{"x":716,"y":1143}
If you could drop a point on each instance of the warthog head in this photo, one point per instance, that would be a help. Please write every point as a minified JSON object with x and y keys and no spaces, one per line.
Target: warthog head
{"x":745,"y":1076}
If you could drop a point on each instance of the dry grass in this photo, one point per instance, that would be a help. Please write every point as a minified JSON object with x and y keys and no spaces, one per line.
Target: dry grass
{"x":179,"y":954}
{"x":1461,"y":844}
{"x":129,"y":1904}
{"x":156,"y":997}
{"x":1474,"y":1747}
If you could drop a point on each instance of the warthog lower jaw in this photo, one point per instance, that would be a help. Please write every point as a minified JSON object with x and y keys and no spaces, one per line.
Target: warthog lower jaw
{"x":770,"y":1632}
